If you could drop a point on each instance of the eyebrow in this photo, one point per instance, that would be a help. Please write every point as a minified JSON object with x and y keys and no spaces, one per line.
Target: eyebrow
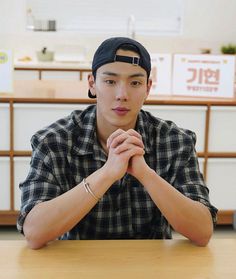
{"x":107,"y":73}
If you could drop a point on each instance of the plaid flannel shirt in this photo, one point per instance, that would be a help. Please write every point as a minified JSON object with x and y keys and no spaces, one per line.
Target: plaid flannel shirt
{"x":68,"y":151}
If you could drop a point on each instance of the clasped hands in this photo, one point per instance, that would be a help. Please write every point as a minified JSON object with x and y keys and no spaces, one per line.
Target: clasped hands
{"x":126,"y":150}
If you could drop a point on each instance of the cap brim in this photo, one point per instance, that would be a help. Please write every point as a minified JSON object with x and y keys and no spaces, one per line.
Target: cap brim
{"x":91,"y":95}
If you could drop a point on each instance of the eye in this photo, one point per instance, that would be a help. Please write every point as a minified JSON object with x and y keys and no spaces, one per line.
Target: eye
{"x":110,"y":81}
{"x":136,"y":83}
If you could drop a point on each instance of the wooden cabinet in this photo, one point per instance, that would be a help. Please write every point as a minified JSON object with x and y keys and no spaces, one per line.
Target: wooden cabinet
{"x":188,"y":117}
{"x":222,"y":131}
{"x":5,"y":188}
{"x":221,"y":177}
{"x":36,"y":104}
{"x":21,"y":169}
{"x":26,"y":75}
{"x":29,"y":118}
{"x":4,"y":127}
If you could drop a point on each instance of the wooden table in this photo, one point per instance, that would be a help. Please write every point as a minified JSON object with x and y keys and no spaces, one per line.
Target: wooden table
{"x":142,"y":259}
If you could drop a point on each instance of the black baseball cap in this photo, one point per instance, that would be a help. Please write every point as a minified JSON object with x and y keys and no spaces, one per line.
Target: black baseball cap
{"x":106,"y":53}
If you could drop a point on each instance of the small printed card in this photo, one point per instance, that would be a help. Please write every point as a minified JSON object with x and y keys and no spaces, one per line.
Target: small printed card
{"x":161,"y":74}
{"x":203,"y":75}
{"x":6,"y":71}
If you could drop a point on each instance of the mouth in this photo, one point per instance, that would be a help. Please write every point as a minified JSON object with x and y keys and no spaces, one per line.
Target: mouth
{"x":121,"y":110}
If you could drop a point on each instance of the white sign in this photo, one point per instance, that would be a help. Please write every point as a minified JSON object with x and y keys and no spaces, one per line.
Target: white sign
{"x":161,"y":74}
{"x":203,"y":75}
{"x":6,"y":71}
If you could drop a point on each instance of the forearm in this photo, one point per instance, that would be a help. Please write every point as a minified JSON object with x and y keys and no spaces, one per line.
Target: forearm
{"x":190,"y":218}
{"x":51,"y":219}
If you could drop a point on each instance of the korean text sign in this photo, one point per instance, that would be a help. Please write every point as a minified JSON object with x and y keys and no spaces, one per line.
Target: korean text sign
{"x":203,"y":75}
{"x":161,"y":73}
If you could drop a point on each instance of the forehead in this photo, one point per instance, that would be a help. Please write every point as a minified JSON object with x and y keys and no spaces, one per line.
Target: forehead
{"x":121,"y":69}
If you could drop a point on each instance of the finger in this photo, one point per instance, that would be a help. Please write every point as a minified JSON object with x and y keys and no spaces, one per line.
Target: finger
{"x":135,"y":151}
{"x":130,"y":136}
{"x":134,"y":140}
{"x":114,"y":135}
{"x":129,"y":153}
{"x":126,"y":139}
{"x":118,"y":132}
{"x":120,"y":136}
{"x":132,"y":132}
{"x":119,"y":139}
{"x":129,"y":143}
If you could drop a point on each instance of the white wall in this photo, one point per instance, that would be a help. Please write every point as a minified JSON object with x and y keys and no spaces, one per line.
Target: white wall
{"x":207,"y":24}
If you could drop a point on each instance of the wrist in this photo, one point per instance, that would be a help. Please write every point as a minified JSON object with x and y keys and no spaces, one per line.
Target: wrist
{"x":99,"y":181}
{"x":146,"y":175}
{"x":108,"y":175}
{"x":111,"y":173}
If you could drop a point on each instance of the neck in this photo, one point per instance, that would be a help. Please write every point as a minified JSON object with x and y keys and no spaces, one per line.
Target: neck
{"x":102,"y":138}
{"x":103,"y":133}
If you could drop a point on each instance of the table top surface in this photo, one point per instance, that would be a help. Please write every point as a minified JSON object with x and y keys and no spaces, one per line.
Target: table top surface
{"x":61,"y":91}
{"x":119,"y":259}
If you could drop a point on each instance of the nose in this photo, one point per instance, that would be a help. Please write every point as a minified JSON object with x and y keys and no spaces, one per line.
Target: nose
{"x":122,"y":93}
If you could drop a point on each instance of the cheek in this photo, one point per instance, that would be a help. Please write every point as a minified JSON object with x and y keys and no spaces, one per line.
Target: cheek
{"x":104,"y":101}
{"x":104,"y":96}
{"x":138,"y":99}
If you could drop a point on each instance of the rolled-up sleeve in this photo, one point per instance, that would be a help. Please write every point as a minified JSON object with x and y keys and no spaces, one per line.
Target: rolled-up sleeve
{"x":40,"y":185}
{"x":189,"y":180}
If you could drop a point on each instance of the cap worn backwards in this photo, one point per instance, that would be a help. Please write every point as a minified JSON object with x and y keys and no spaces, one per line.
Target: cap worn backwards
{"x":106,"y":53}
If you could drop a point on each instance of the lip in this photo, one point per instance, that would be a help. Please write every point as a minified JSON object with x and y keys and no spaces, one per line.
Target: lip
{"x":121,"y":110}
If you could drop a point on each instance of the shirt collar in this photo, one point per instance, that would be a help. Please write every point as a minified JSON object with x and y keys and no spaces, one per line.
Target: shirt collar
{"x":87,"y":141}
{"x":143,"y":129}
{"x":86,"y":138}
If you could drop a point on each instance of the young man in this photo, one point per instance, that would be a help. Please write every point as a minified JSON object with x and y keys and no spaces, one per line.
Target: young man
{"x":114,"y":171}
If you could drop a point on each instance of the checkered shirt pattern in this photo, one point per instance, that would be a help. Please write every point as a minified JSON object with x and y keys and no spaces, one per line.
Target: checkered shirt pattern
{"x":68,"y":151}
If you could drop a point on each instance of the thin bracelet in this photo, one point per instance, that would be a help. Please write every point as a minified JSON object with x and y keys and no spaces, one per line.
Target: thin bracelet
{"x":88,"y":190}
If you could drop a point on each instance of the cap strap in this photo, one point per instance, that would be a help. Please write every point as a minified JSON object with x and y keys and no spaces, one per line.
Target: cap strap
{"x":134,"y":60}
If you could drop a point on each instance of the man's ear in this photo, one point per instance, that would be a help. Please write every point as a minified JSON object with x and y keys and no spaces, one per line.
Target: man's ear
{"x":91,"y":83}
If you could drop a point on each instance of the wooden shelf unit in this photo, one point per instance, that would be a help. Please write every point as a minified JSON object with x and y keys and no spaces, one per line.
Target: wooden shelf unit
{"x":68,"y":92}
